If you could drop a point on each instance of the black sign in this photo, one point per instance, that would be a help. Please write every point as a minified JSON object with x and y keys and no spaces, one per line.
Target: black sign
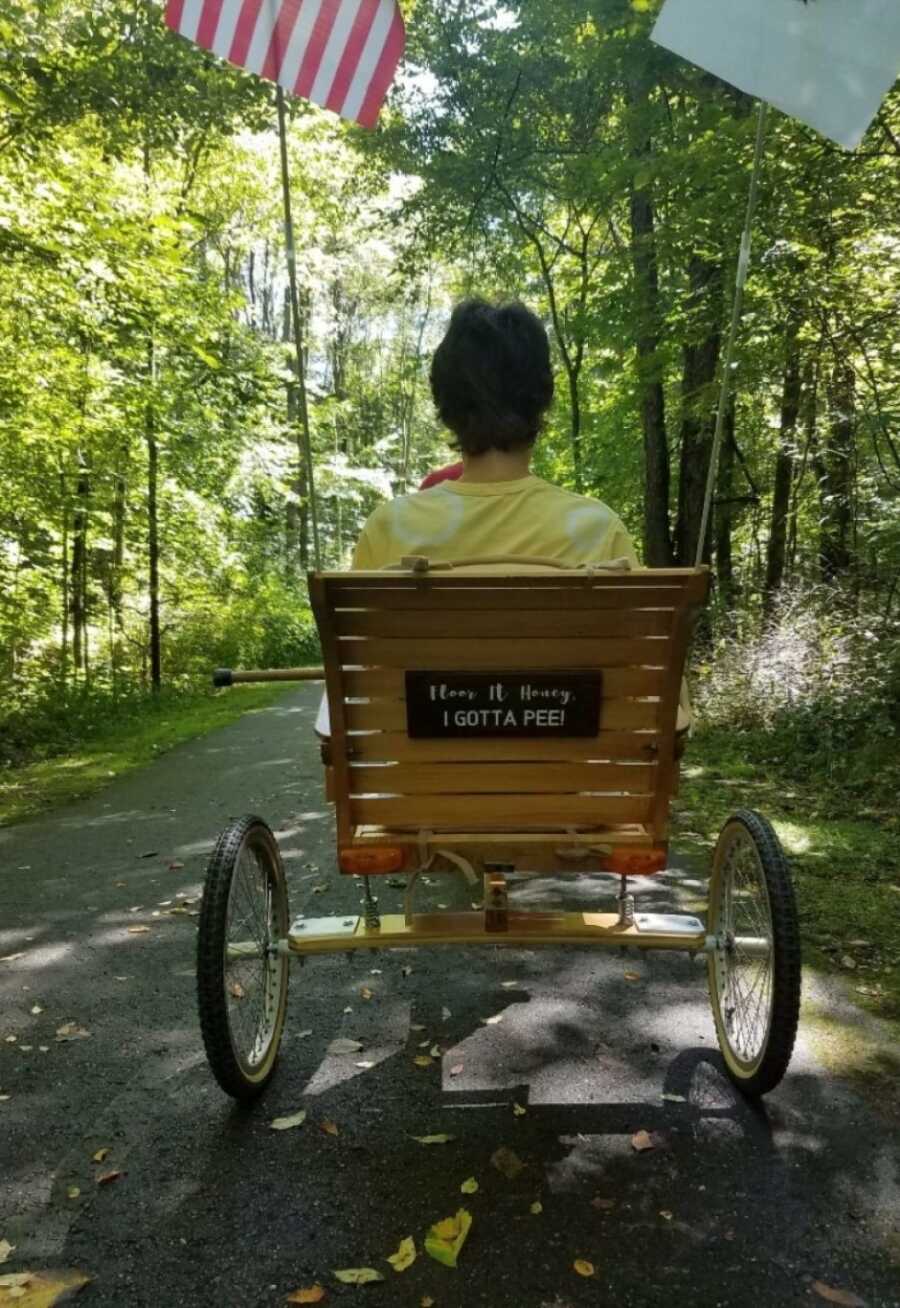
{"x":502,"y":704}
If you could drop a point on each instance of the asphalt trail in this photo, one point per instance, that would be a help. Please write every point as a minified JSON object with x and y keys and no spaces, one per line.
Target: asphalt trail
{"x":734,"y":1206}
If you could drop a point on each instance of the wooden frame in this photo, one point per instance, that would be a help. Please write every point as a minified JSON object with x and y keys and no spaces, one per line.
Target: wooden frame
{"x":552,"y":800}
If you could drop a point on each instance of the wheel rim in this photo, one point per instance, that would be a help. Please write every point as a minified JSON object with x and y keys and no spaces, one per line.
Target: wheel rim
{"x":743,"y":959}
{"x":253,"y":968}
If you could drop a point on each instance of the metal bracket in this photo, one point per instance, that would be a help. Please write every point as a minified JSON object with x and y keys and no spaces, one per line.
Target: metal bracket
{"x":496,"y":902}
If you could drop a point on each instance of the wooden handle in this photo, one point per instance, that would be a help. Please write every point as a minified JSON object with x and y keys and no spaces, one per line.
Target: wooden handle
{"x":228,"y":677}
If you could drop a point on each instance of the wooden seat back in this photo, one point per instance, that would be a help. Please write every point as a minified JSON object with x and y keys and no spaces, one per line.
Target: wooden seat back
{"x":632,"y":627}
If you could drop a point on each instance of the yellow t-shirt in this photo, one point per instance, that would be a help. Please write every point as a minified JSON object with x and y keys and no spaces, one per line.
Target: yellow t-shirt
{"x":462,"y":519}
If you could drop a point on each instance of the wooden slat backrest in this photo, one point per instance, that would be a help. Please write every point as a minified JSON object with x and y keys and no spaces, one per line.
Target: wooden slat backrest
{"x":376,"y":626}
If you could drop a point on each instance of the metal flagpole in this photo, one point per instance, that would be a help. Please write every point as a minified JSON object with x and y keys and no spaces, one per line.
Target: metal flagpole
{"x":740,"y":279}
{"x":295,"y":319}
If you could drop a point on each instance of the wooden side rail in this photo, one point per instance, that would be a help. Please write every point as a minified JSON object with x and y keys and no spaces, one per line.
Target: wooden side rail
{"x":229,"y":677}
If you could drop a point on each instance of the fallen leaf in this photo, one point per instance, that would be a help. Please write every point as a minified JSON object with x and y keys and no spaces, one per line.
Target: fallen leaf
{"x":319,"y":890}
{"x":364,"y":1064}
{"x":666,"y":1213}
{"x":99,"y":1156}
{"x":3,"y":1098}
{"x":358,"y":1275}
{"x":375,"y":971}
{"x":492,"y":1021}
{"x":423,"y":1044}
{"x":36,"y":1010}
{"x":175,"y":866}
{"x":435,"y":1051}
{"x":348,"y":1009}
{"x":583,"y":1267}
{"x":11,"y":958}
{"x":446,"y":1238}
{"x":632,"y":976}
{"x":848,"y":962}
{"x":456,"y":1069}
{"x":509,"y":985}
{"x":73,"y":1191}
{"x":5,"y":1250}
{"x":426,"y":1301}
{"x":508,"y":1162}
{"x":536,"y":1208}
{"x":25,"y":1049}
{"x":10,"y":1039}
{"x":434,"y":1139}
{"x":302,"y":1035}
{"x":405,"y":1255}
{"x":285,"y":1123}
{"x":105,"y":1178}
{"x":236,"y":990}
{"x":445,"y":1014}
{"x":329,"y":1127}
{"x":406,"y":971}
{"x":845,"y":1298}
{"x":139,"y":930}
{"x":423,"y":1060}
{"x":443,"y":905}
{"x":469,"y":1187}
{"x":642,"y":1140}
{"x":13,"y":1280}
{"x":312,"y":1294}
{"x":342,"y":1046}
{"x":675,"y":1099}
{"x":366,"y":993}
{"x":519,"y":1111}
{"x":605,"y":1205}
{"x":71,"y":1031}
{"x":416,"y":1026}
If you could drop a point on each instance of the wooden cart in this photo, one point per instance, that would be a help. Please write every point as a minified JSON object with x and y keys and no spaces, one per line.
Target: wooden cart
{"x":490,"y":721}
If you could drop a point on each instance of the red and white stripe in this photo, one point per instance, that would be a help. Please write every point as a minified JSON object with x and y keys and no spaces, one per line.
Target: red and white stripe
{"x":341,"y":54}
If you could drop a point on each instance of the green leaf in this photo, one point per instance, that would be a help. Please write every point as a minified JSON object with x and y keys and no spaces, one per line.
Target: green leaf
{"x":446,"y":1238}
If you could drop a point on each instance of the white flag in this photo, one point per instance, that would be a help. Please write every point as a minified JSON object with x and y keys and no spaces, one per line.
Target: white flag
{"x":829,"y":63}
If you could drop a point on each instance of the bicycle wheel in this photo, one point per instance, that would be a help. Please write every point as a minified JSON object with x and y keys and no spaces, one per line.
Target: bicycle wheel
{"x":754,"y":967}
{"x":242,"y":979}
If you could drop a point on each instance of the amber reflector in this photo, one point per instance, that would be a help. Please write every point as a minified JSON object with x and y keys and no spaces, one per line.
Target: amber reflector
{"x":636,"y":862}
{"x":371,"y":862}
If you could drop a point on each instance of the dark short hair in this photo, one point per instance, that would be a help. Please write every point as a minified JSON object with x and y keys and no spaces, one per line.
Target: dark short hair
{"x":491,"y":377}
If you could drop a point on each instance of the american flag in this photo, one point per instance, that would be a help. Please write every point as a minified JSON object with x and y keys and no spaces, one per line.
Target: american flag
{"x":341,"y":54}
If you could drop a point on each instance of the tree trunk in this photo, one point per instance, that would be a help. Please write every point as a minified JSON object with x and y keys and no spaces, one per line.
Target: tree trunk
{"x":297,"y":517}
{"x":657,"y":537}
{"x":784,"y":470}
{"x":78,"y":569}
{"x":724,"y":511}
{"x":836,"y":475}
{"x":701,"y":357}
{"x":64,"y":647}
{"x":153,"y":522}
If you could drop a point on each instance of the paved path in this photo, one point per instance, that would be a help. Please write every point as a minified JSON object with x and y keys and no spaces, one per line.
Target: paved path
{"x":734,"y":1206}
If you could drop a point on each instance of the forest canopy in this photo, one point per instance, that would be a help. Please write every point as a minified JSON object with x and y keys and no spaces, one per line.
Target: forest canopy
{"x":154,"y":518}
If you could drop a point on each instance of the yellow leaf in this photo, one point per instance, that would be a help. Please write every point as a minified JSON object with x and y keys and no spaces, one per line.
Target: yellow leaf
{"x":632,"y":976}
{"x":405,"y":1255}
{"x":71,"y":1031}
{"x":312,"y":1294}
{"x":536,"y":1208}
{"x":518,"y":1110}
{"x":285,"y":1123}
{"x":358,"y":1275}
{"x":426,"y":1301}
{"x":236,"y":990}
{"x":469,"y":1187}
{"x":73,"y":1192}
{"x":446,"y":1238}
{"x":583,"y":1267}
{"x":99,"y":1156}
{"x":642,"y":1140}
{"x":138,"y":930}
{"x":366,"y":993}
{"x":423,"y":1060}
{"x":435,"y":1051}
{"x":434,"y":1139}
{"x":330,"y":1128}
{"x":846,"y":1298}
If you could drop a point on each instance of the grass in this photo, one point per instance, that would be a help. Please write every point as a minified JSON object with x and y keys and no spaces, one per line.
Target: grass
{"x":845,"y":857}
{"x":132,"y":741}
